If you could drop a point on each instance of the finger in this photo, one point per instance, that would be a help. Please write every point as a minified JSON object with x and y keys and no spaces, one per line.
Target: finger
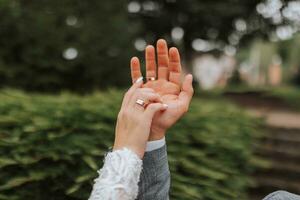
{"x":147,"y":97}
{"x":150,"y":62}
{"x":154,"y":108}
{"x":162,"y":59}
{"x":135,"y":69}
{"x":138,"y":84}
{"x":146,"y":89}
{"x":187,"y":92}
{"x":174,"y":66}
{"x":151,"y":97}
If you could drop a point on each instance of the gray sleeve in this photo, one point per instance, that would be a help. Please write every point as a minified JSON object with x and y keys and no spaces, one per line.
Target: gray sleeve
{"x":155,"y":177}
{"x":282,"y":195}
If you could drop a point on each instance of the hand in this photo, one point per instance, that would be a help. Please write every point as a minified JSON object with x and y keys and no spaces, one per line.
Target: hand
{"x":168,"y":84}
{"x":134,"y":121}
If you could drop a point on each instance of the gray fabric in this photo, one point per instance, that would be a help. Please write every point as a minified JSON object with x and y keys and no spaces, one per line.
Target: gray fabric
{"x":155,"y":177}
{"x":282,"y":195}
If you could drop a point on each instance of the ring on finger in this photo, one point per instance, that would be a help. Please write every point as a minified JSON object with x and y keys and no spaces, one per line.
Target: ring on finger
{"x":151,"y":78}
{"x":141,"y":102}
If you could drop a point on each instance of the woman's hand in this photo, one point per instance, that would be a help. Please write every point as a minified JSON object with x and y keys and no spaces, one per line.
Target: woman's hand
{"x":164,"y":77}
{"x":134,"y":120}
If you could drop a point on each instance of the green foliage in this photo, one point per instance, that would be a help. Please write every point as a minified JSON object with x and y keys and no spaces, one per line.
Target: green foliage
{"x":34,"y":35}
{"x":51,"y":147}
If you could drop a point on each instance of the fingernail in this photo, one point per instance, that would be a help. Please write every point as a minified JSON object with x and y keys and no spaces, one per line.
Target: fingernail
{"x":139,"y":80}
{"x":165,"y":106}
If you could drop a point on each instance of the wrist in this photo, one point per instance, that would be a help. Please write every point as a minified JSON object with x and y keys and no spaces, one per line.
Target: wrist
{"x":137,"y":149}
{"x":157,"y":135}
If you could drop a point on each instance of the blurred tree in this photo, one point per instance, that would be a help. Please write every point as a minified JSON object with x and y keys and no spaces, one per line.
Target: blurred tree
{"x":76,"y":45}
{"x":290,"y":52}
{"x":211,"y":25}
{"x":224,"y":22}
{"x":83,"y":45}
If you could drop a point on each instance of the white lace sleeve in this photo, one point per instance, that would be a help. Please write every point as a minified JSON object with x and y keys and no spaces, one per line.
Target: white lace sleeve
{"x":119,"y":177}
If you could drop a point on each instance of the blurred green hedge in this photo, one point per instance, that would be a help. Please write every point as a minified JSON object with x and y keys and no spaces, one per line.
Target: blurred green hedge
{"x":52,"y":146}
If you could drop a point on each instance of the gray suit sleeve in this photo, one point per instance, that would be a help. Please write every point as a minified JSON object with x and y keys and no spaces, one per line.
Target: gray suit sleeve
{"x":155,"y":177}
{"x":282,"y":195}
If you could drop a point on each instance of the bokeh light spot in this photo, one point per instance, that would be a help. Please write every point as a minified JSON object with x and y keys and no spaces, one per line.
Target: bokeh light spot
{"x":70,"y":53}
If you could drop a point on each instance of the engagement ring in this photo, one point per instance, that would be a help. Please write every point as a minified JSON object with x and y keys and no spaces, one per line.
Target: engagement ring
{"x":140,"y":102}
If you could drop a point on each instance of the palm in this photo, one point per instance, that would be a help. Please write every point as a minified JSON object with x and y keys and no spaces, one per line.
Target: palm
{"x":167,"y":85}
{"x":169,"y":93}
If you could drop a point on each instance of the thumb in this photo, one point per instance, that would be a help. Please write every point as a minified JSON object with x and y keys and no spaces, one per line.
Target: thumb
{"x":153,"y":108}
{"x":187,"y":90}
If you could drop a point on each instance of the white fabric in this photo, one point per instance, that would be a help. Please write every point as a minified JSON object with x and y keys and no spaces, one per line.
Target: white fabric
{"x":156,"y":144}
{"x":119,"y":177}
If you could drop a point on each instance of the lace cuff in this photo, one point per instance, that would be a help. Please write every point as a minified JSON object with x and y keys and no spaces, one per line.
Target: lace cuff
{"x":119,"y":177}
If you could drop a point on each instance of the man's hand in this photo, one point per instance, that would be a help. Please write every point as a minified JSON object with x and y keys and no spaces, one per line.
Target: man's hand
{"x":167,"y":83}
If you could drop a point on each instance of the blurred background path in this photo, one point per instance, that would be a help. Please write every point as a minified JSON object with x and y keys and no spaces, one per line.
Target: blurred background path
{"x":280,"y":145}
{"x":276,"y":112}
